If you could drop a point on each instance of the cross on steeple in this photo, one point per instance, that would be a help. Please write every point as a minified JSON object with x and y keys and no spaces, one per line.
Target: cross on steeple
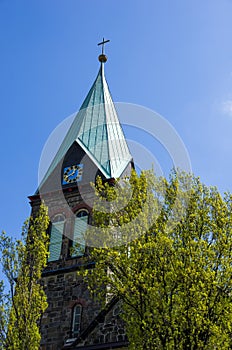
{"x":103,"y":44}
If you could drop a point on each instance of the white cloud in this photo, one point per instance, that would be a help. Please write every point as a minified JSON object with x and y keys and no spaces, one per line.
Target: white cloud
{"x":227,"y":107}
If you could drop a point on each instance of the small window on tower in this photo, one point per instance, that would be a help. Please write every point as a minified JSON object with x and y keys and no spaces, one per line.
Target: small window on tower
{"x":76,"y":320}
{"x":56,"y":235}
{"x":80,"y":226}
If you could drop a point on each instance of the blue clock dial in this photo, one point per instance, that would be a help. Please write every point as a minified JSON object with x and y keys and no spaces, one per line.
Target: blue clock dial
{"x":72,"y":174}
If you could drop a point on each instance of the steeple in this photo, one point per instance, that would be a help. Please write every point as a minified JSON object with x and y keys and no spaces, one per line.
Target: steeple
{"x":93,"y":146}
{"x":97,"y":130}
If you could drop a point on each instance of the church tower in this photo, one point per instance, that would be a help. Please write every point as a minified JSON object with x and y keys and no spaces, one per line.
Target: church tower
{"x":93,"y":146}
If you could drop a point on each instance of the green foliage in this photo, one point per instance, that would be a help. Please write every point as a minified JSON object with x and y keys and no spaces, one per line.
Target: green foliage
{"x":23,"y":262}
{"x":173,"y":275}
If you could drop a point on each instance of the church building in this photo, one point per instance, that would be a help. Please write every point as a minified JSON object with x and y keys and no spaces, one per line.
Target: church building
{"x":93,"y":146}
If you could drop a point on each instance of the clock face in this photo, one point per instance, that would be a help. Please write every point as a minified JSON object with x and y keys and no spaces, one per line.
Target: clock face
{"x":72,"y":174}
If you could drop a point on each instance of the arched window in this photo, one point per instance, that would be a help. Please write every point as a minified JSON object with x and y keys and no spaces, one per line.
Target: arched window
{"x":76,"y":320}
{"x":56,"y":236}
{"x":80,"y":226}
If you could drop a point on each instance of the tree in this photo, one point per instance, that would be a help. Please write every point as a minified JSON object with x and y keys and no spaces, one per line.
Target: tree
{"x":22,"y":306}
{"x":170,"y":263}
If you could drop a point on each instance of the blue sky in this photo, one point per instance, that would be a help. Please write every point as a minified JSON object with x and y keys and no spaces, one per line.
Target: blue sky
{"x":172,"y":56}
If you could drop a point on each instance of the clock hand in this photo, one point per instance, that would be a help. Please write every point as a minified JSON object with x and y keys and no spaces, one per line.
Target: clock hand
{"x":72,"y":173}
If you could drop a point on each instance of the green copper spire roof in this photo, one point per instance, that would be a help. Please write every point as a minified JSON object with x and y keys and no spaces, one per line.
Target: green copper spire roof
{"x":100,"y":131}
{"x":97,"y":130}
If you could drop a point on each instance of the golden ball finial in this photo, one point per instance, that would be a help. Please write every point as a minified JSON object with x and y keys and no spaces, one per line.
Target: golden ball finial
{"x":102,"y":58}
